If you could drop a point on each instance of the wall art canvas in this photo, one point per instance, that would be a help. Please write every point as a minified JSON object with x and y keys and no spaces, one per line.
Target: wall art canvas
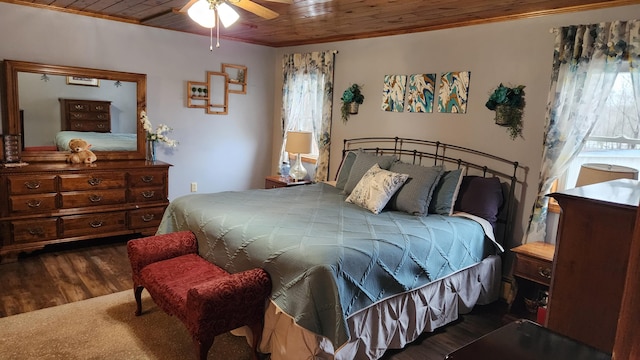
{"x":420,"y":93}
{"x":393,"y":93}
{"x":454,"y":92}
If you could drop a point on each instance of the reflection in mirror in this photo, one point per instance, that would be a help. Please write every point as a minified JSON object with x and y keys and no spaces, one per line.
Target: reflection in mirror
{"x":35,"y":108}
{"x":42,"y":116}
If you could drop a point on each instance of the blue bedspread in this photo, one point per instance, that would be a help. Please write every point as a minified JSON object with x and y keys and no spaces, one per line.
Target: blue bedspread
{"x":98,"y":141}
{"x":327,"y":258}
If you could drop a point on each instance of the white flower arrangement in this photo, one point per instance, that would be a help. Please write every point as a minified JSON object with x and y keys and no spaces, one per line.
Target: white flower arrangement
{"x":159,"y":134}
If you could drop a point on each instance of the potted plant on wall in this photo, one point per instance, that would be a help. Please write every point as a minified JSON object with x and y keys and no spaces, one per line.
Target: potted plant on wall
{"x":351,"y":99}
{"x":508,"y":103}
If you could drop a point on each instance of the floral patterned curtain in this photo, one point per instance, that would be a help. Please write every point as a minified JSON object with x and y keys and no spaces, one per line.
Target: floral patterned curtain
{"x":307,"y":101}
{"x":587,"y":59}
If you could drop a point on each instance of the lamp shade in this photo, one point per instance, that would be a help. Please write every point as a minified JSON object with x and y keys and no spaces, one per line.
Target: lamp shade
{"x":298,"y":142}
{"x":597,"y":173}
{"x":203,"y":14}
{"x":228,"y":16}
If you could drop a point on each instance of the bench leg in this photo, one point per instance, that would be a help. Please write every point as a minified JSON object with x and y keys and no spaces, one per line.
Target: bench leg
{"x":203,"y":346}
{"x":137,"y":292}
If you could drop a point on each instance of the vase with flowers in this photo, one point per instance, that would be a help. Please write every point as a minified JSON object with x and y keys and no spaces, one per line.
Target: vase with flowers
{"x":351,"y":99}
{"x":154,"y":136}
{"x":508,"y":103}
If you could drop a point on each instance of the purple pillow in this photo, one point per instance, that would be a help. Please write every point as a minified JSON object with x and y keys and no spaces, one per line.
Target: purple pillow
{"x":481,"y":197}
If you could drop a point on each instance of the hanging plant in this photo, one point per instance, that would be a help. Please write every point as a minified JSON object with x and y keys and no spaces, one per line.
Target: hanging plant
{"x":508,"y":103}
{"x":351,"y":98}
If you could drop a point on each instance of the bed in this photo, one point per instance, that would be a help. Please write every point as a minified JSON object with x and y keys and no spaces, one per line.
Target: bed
{"x":99,"y":141}
{"x":351,"y":282}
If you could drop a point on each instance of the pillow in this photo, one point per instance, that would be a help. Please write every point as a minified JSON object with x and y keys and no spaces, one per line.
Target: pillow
{"x":480,"y":196}
{"x":446,"y":192}
{"x":415,"y":195}
{"x":363,"y":162}
{"x":375,"y":188}
{"x":345,"y":169}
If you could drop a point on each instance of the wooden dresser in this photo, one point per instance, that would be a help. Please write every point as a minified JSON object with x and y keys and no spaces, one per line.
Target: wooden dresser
{"x":85,"y":115}
{"x":590,"y":264}
{"x":46,"y":203}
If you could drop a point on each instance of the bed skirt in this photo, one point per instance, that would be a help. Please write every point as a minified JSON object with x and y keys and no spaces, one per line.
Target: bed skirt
{"x":391,"y":323}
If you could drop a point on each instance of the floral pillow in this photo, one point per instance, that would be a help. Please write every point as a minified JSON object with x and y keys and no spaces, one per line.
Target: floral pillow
{"x":375,"y":188}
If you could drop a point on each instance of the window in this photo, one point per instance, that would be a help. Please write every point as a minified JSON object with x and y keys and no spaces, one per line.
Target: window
{"x":615,"y":138}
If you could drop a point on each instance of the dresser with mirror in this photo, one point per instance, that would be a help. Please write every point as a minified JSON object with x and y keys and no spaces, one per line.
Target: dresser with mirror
{"x":51,"y":201}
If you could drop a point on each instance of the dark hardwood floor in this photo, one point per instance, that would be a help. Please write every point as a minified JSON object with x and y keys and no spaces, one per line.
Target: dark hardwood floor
{"x":74,"y":272}
{"x":64,"y":273}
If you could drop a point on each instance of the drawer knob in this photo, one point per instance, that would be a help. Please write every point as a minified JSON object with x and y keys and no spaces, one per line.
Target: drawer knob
{"x":34,"y":203}
{"x":148,"y":194}
{"x":32,"y":185}
{"x":544,"y":272}
{"x":147,"y":217}
{"x":37,"y":231}
{"x":95,"y":224}
{"x":95,"y":198}
{"x":147,"y":178}
{"x":94,"y":181}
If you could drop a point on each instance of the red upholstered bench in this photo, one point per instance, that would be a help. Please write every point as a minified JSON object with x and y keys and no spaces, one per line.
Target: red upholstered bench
{"x":206,"y":298}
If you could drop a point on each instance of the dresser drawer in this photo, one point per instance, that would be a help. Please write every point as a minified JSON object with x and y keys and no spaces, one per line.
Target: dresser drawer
{"x":146,"y":194}
{"x":93,"y":224}
{"x":147,"y":178}
{"x":533,"y":269}
{"x":144,"y":218}
{"x":34,"y":184}
{"x":32,"y":203}
{"x":76,"y":182}
{"x":86,"y":125}
{"x":25,"y":231}
{"x":73,"y":199}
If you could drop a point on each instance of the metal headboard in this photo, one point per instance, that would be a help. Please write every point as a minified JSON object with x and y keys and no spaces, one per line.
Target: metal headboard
{"x":431,"y":153}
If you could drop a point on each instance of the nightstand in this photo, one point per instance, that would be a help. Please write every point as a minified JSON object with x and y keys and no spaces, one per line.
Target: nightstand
{"x":532,"y":270}
{"x":272,"y":182}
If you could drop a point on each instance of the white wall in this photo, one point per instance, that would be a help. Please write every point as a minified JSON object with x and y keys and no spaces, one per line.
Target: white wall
{"x":219,"y":152}
{"x":514,"y":52}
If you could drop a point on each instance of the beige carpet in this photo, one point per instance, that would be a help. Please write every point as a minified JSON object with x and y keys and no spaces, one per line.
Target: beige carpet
{"x":106,"y":328}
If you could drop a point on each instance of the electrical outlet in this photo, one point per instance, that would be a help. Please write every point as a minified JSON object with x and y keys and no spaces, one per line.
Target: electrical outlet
{"x":194,"y":187}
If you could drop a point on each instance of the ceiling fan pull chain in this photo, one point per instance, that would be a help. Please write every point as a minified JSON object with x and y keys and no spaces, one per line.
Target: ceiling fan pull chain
{"x":217,"y":29}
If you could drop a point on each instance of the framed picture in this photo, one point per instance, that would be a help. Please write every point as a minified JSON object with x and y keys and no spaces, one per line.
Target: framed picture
{"x":78,"y":80}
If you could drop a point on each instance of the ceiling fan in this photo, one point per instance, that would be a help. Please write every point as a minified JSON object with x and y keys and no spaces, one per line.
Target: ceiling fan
{"x":206,"y":12}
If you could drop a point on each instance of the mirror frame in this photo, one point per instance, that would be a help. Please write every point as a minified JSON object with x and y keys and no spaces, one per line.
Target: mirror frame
{"x":11,"y":105}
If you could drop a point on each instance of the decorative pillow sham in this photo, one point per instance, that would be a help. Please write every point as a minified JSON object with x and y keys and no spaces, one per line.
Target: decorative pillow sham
{"x":345,"y":169}
{"x":446,"y":192}
{"x":363,"y":162}
{"x":481,"y":197}
{"x":375,"y":188}
{"x":415,"y":195}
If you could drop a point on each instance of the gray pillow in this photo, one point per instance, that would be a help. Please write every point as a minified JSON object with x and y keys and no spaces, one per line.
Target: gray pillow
{"x":363,"y":162}
{"x":446,"y":192}
{"x":415,"y":195}
{"x":345,"y":169}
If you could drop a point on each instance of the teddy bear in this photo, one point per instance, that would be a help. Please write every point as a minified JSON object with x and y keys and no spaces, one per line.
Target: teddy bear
{"x":80,"y":152}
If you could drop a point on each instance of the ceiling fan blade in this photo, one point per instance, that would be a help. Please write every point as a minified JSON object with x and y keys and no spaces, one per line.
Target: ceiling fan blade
{"x":187,"y":6}
{"x":255,"y":8}
{"x":282,"y":1}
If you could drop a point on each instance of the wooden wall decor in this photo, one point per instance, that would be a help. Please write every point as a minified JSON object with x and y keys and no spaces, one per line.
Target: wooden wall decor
{"x":213,"y":94}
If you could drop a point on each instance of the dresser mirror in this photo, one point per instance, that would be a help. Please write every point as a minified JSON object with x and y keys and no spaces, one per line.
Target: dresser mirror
{"x":36,"y":95}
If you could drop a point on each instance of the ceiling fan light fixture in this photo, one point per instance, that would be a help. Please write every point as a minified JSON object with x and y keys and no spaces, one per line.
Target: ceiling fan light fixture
{"x":227,"y":14}
{"x":203,"y":14}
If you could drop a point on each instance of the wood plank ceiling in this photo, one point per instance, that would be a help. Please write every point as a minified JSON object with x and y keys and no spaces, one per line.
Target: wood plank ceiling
{"x":319,"y":21}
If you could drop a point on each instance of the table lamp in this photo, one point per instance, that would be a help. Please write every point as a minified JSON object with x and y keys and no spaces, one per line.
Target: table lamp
{"x":298,"y":142}
{"x":597,"y":173}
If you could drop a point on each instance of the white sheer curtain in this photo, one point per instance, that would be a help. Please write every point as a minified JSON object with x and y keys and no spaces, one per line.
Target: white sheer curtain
{"x":587,"y":59}
{"x":307,"y":102}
